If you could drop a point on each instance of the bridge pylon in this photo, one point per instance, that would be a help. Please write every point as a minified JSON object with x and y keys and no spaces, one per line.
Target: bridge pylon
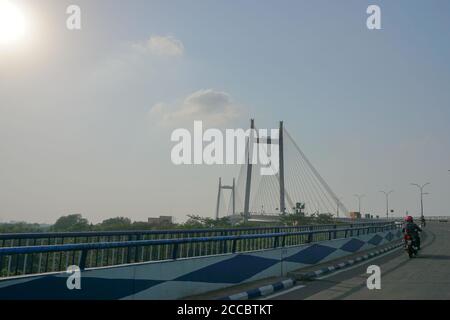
{"x":233,"y":196}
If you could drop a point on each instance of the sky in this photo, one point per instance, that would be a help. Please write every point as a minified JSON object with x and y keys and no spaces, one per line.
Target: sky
{"x":86,"y":115}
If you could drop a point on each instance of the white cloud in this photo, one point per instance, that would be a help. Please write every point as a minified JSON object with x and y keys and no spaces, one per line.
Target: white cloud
{"x":155,"y":59}
{"x":161,"y":46}
{"x":210,"y":106}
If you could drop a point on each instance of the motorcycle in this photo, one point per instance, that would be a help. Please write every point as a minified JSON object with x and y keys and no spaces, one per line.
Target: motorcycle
{"x":410,"y":247}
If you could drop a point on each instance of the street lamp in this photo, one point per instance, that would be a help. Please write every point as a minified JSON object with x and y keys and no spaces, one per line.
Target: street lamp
{"x":421,"y":195}
{"x":359,"y":196}
{"x":387,"y":201}
{"x":338,"y":204}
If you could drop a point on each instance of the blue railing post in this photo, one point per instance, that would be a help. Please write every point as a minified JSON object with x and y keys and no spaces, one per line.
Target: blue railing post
{"x":83,"y":259}
{"x":224,"y":246}
{"x":335,"y":232}
{"x":233,"y":247}
{"x":224,"y":243}
{"x":310,"y":235}
{"x":128,"y":251}
{"x":175,"y":251}
{"x":136,"y":252}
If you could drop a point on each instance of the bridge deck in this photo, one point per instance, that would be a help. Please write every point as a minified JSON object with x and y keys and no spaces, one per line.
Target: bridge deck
{"x":424,"y":277}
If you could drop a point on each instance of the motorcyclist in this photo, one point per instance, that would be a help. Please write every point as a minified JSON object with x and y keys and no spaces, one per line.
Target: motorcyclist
{"x":413,"y":230}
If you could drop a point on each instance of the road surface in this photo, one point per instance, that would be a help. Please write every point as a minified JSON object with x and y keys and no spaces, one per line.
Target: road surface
{"x":425,"y":277}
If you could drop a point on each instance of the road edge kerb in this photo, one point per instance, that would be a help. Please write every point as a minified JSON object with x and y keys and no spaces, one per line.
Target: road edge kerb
{"x":290,"y":282}
{"x":261,"y":291}
{"x":314,"y":274}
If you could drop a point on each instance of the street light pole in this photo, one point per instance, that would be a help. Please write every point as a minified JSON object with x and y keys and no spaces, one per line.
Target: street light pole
{"x":359,"y":196}
{"x":387,"y":201}
{"x":338,"y":203}
{"x":421,"y":195}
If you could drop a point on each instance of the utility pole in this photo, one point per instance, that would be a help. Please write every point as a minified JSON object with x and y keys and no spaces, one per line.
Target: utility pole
{"x":337,"y":208}
{"x":387,"y":201}
{"x":359,"y":196}
{"x":338,"y":204}
{"x":421,"y":195}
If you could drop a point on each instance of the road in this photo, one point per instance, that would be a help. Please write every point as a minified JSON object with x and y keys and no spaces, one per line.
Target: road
{"x":425,"y":277}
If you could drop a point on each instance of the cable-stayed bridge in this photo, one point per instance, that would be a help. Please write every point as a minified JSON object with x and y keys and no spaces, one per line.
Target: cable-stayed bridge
{"x":173,"y":264}
{"x":296,"y":180}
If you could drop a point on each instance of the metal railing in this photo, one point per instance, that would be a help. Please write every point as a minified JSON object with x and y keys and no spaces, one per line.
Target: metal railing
{"x":60,"y":238}
{"x":15,"y":261}
{"x":434,"y":218}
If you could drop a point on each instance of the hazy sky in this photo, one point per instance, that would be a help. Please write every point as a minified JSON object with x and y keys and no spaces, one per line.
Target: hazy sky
{"x":86,"y":116}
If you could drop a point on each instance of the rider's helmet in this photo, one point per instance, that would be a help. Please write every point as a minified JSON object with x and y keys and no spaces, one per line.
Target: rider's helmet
{"x":409,"y":219}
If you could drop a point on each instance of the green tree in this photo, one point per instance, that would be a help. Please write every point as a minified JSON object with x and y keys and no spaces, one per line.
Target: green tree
{"x":118,"y":223}
{"x":71,"y":222}
{"x":325,"y":218}
{"x":20,"y":227}
{"x":296,"y":219}
{"x":196,"y":221}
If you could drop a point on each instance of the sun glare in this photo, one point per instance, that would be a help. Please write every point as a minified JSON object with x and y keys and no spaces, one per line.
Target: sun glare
{"x":12,"y":23}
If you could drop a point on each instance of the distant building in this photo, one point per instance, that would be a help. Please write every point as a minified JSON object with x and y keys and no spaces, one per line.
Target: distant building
{"x":355,"y":215}
{"x":161,"y":220}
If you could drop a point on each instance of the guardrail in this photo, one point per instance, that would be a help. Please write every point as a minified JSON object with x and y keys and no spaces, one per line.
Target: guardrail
{"x":434,"y":218}
{"x":60,"y":238}
{"x":26,"y":260}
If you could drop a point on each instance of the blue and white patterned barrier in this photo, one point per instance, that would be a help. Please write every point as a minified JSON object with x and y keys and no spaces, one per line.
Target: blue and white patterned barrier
{"x":184,"y":277}
{"x":314,"y":274}
{"x":261,"y":291}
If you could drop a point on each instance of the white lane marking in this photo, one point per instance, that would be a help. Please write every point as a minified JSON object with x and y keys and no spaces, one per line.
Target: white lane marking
{"x":330,"y":275}
{"x":283,"y":292}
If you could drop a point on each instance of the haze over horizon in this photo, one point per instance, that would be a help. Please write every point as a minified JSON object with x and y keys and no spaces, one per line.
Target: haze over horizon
{"x":86,"y":116}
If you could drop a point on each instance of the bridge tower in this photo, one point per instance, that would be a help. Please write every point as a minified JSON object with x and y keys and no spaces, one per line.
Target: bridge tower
{"x":248,"y":182}
{"x":232,"y":188}
{"x":281,"y":160}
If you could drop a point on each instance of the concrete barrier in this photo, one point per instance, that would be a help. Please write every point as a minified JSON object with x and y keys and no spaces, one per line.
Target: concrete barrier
{"x":174,"y":279}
